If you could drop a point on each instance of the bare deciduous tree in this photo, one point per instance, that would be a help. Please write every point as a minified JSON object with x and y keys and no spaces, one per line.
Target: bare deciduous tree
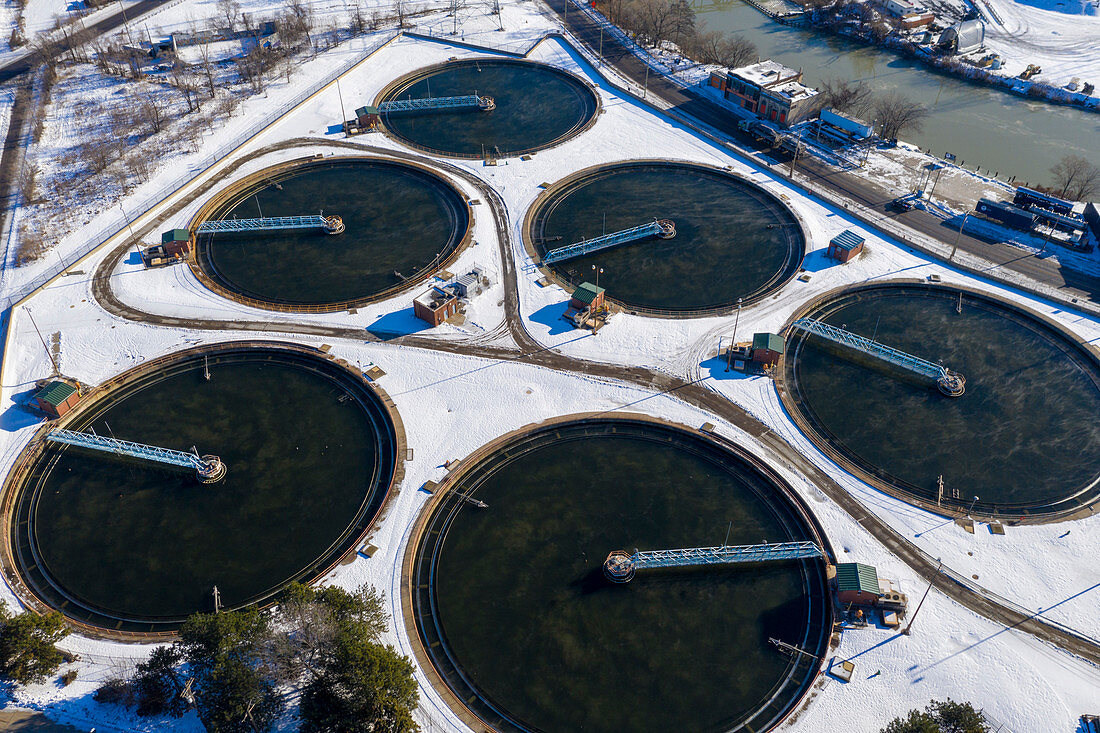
{"x":1076,"y":178}
{"x":895,"y":114}
{"x":651,"y":19}
{"x":847,"y":96}
{"x":724,"y":49}
{"x":153,"y":113}
{"x":231,"y":11}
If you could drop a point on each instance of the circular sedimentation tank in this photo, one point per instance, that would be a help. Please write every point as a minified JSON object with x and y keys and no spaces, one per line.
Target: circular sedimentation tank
{"x":310,"y":451}
{"x":733,"y":239}
{"x":510,"y":604}
{"x":401,"y":223}
{"x":535,"y":106}
{"x":1022,"y":437}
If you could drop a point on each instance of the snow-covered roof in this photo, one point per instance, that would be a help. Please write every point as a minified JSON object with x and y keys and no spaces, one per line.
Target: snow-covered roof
{"x":779,"y":80}
{"x":764,"y":72}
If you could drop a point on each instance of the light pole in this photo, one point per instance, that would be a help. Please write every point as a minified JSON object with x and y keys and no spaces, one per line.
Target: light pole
{"x":645,"y":88}
{"x":955,"y":246}
{"x":969,"y":508}
{"x":597,"y":270}
{"x":733,"y":341}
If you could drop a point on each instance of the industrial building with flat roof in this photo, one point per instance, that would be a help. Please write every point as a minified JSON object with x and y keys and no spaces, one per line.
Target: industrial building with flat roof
{"x":769,"y":90}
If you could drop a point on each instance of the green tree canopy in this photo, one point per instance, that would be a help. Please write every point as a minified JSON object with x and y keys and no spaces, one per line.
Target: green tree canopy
{"x":366,"y":687}
{"x":27,"y":651}
{"x":947,"y":716}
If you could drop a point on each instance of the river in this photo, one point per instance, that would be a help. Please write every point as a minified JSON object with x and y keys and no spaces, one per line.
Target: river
{"x":983,"y":126}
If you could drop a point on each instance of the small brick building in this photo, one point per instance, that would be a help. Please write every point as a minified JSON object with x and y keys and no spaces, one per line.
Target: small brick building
{"x":57,"y":398}
{"x":176,"y":242}
{"x":857,"y":584}
{"x":767,"y":348}
{"x":586,"y":295}
{"x":367,"y":117}
{"x":436,"y":305}
{"x":845,"y":246}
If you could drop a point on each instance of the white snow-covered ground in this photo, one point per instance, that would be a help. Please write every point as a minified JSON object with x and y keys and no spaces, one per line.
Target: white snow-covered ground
{"x":1061,"y":37}
{"x":1025,"y":684}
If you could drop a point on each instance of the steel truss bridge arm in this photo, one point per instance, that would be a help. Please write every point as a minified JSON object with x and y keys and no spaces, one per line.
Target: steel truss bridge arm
{"x":315,"y":221}
{"x":874,"y":348}
{"x":726,"y":554}
{"x":620,"y":566}
{"x":664,"y":229}
{"x":467,"y":101}
{"x":208,"y":468}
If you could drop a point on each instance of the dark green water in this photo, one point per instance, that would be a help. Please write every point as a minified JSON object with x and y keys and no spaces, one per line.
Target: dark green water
{"x":723,"y":249}
{"x":303,"y":469}
{"x":538,"y":631}
{"x":536,"y":106}
{"x":399,"y":219}
{"x":1025,"y":432}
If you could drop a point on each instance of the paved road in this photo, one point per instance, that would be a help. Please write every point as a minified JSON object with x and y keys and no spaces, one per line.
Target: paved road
{"x":530,"y":351}
{"x":860,"y":190}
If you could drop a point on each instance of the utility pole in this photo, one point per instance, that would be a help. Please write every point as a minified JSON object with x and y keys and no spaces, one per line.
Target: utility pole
{"x":955,"y":246}
{"x":597,"y":270}
{"x":343,"y":114}
{"x":645,"y":88}
{"x":49,"y":354}
{"x":909,"y":626}
{"x":599,"y":55}
{"x":939,"y":490}
{"x":217,"y":600}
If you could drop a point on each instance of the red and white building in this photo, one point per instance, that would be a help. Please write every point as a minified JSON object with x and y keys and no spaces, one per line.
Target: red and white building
{"x":769,"y":90}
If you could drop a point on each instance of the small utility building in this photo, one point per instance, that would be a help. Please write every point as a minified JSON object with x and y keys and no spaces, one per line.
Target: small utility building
{"x":176,"y":242}
{"x":857,"y":584}
{"x":587,"y":295}
{"x":767,"y":348}
{"x":436,"y":305}
{"x":57,"y":398}
{"x":367,"y":117}
{"x":845,"y":246}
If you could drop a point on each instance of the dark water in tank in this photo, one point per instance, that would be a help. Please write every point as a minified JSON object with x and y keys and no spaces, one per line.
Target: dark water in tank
{"x":138,"y":541}
{"x":535,"y":107}
{"x":1024,"y":431}
{"x":731,"y":242}
{"x":399,"y":220}
{"x":536,"y":628}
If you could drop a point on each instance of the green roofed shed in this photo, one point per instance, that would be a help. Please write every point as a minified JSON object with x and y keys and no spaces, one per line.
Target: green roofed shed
{"x":175,"y":235}
{"x":366,"y":110}
{"x":588,"y":294}
{"x":57,"y":398}
{"x":857,"y":583}
{"x":56,"y":392}
{"x":768,"y":341}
